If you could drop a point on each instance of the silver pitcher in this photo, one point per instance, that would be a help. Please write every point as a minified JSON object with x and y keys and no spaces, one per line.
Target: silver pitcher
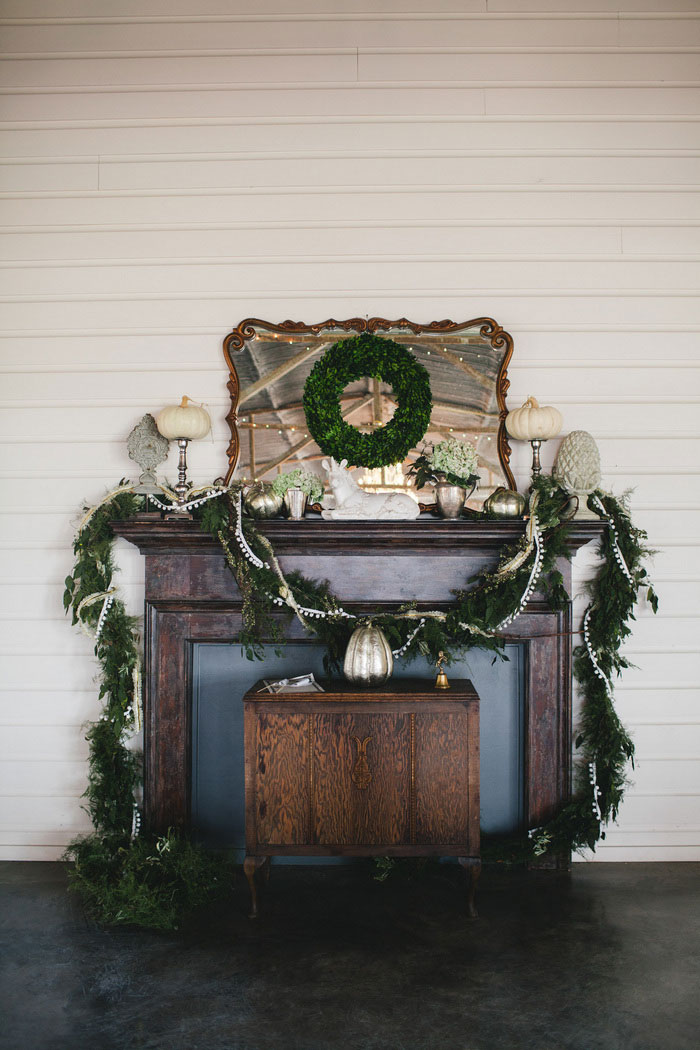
{"x":450,"y":499}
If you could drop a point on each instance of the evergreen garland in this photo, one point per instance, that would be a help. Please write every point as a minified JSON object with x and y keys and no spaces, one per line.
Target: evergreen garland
{"x":123,"y":879}
{"x":350,"y":359}
{"x":147,"y":880}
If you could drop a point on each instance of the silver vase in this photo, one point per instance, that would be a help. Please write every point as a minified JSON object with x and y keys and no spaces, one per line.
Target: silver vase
{"x":368,"y":657}
{"x":295,"y":502}
{"x":450,"y":499}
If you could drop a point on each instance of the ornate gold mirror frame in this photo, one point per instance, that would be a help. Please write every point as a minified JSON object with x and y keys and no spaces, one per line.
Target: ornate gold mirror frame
{"x":269,"y":363}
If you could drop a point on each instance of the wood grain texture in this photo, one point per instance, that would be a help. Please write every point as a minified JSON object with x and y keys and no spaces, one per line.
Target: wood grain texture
{"x":345,"y":813}
{"x":425,"y":535}
{"x":281,"y":777}
{"x":343,"y":775}
{"x":447,"y":792}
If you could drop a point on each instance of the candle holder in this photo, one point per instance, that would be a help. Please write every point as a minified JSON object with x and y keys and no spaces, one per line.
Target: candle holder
{"x":182,"y":487}
{"x":534,"y":423}
{"x":183,"y":423}
{"x":536,"y":468}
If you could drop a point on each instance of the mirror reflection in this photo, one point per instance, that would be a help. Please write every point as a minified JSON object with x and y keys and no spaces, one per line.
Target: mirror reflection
{"x":269,"y":365}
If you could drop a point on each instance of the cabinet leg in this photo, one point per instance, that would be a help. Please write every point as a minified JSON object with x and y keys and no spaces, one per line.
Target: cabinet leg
{"x":472,"y":869}
{"x":250,"y":866}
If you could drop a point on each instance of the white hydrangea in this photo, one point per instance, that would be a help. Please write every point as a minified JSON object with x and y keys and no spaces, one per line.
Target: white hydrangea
{"x":454,"y":457}
{"x":302,"y":479}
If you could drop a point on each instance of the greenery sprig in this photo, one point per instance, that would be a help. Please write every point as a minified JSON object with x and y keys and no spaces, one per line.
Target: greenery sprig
{"x":148,"y":880}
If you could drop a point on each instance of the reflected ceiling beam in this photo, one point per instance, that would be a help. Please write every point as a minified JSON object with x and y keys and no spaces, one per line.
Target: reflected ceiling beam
{"x":267,"y":467}
{"x":449,"y":406}
{"x":277,"y":373}
{"x":289,"y":408}
{"x":479,"y":378}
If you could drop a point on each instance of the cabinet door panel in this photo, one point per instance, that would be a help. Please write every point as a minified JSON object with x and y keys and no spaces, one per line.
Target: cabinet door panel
{"x":445,"y":789}
{"x":362,"y":779}
{"x":282,"y":778}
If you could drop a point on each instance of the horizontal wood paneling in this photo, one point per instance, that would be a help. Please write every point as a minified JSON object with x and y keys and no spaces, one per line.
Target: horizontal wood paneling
{"x":296,"y":241}
{"x":326,"y":273}
{"x":236,"y":33}
{"x":44,"y":138}
{"x":167,"y":172}
{"x":503,"y":204}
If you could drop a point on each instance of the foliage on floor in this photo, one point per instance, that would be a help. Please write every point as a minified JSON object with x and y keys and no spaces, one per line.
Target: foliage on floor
{"x":149,"y":882}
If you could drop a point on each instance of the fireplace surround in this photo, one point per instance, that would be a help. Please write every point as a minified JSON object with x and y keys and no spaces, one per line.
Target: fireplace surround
{"x":191,"y":597}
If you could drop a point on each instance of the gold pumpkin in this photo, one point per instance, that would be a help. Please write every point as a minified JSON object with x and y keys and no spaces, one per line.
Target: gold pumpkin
{"x":533,"y":422}
{"x":185,"y":420}
{"x":261,"y":501}
{"x":368,"y":657}
{"x":505,"y":503}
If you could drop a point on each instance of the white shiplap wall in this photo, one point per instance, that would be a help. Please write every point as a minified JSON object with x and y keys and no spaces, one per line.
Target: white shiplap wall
{"x":167,"y":173}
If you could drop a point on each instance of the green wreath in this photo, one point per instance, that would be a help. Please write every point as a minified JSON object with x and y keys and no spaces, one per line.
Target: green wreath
{"x":350,"y":359}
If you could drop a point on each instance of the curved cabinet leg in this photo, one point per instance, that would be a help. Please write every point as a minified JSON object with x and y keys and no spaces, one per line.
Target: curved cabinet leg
{"x":250,"y":866}
{"x":472,"y":869}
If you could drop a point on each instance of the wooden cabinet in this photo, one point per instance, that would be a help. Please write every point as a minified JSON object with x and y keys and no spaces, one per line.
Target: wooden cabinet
{"x":388,"y":771}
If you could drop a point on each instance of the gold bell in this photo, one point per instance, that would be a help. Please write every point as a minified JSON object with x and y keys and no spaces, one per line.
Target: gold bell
{"x":441,"y":680}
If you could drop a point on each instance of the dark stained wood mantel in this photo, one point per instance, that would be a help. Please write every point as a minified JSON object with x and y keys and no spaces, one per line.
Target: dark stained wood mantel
{"x":424,"y":534}
{"x":191,"y":597}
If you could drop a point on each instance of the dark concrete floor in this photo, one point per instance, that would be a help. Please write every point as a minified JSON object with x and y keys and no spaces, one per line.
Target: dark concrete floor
{"x":607,"y":958}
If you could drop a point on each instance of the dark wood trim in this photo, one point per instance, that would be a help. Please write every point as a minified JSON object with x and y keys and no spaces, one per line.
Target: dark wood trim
{"x":424,"y":535}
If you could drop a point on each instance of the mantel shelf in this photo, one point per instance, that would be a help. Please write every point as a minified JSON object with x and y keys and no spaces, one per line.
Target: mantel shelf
{"x":314,"y":535}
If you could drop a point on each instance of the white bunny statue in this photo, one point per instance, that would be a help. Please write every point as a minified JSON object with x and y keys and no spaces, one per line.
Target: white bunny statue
{"x":352,"y":502}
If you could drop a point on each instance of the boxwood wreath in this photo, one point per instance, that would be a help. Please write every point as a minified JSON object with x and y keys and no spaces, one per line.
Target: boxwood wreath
{"x":351,"y":359}
{"x":129,"y":876}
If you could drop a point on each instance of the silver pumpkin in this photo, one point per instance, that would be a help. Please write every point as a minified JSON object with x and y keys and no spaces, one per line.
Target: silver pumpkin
{"x":261,"y":501}
{"x":368,"y":657}
{"x":505,"y":503}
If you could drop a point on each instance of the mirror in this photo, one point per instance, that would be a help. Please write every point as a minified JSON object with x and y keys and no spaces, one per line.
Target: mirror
{"x":269,"y":364}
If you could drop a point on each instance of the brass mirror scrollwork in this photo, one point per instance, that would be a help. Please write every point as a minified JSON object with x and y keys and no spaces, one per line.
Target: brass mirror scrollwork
{"x":269,"y":364}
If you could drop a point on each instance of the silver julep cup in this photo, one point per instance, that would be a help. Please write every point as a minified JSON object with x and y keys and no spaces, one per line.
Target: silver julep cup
{"x":295,"y":502}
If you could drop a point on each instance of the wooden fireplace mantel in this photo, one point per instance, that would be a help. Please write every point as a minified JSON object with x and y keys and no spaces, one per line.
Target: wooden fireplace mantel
{"x":191,"y":597}
{"x":424,"y":534}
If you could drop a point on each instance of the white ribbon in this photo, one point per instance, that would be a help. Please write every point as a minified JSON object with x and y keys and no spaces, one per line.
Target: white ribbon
{"x":107,"y":498}
{"x":108,"y":597}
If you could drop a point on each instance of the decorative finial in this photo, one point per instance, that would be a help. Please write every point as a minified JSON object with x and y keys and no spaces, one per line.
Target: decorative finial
{"x":147,"y":447}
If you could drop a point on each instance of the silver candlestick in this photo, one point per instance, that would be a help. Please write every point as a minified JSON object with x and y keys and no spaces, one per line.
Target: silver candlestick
{"x":536,"y":465}
{"x":182,"y":488}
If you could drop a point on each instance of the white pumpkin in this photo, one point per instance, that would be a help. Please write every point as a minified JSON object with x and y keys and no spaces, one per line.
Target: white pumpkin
{"x":533,"y":422}
{"x":185,"y":420}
